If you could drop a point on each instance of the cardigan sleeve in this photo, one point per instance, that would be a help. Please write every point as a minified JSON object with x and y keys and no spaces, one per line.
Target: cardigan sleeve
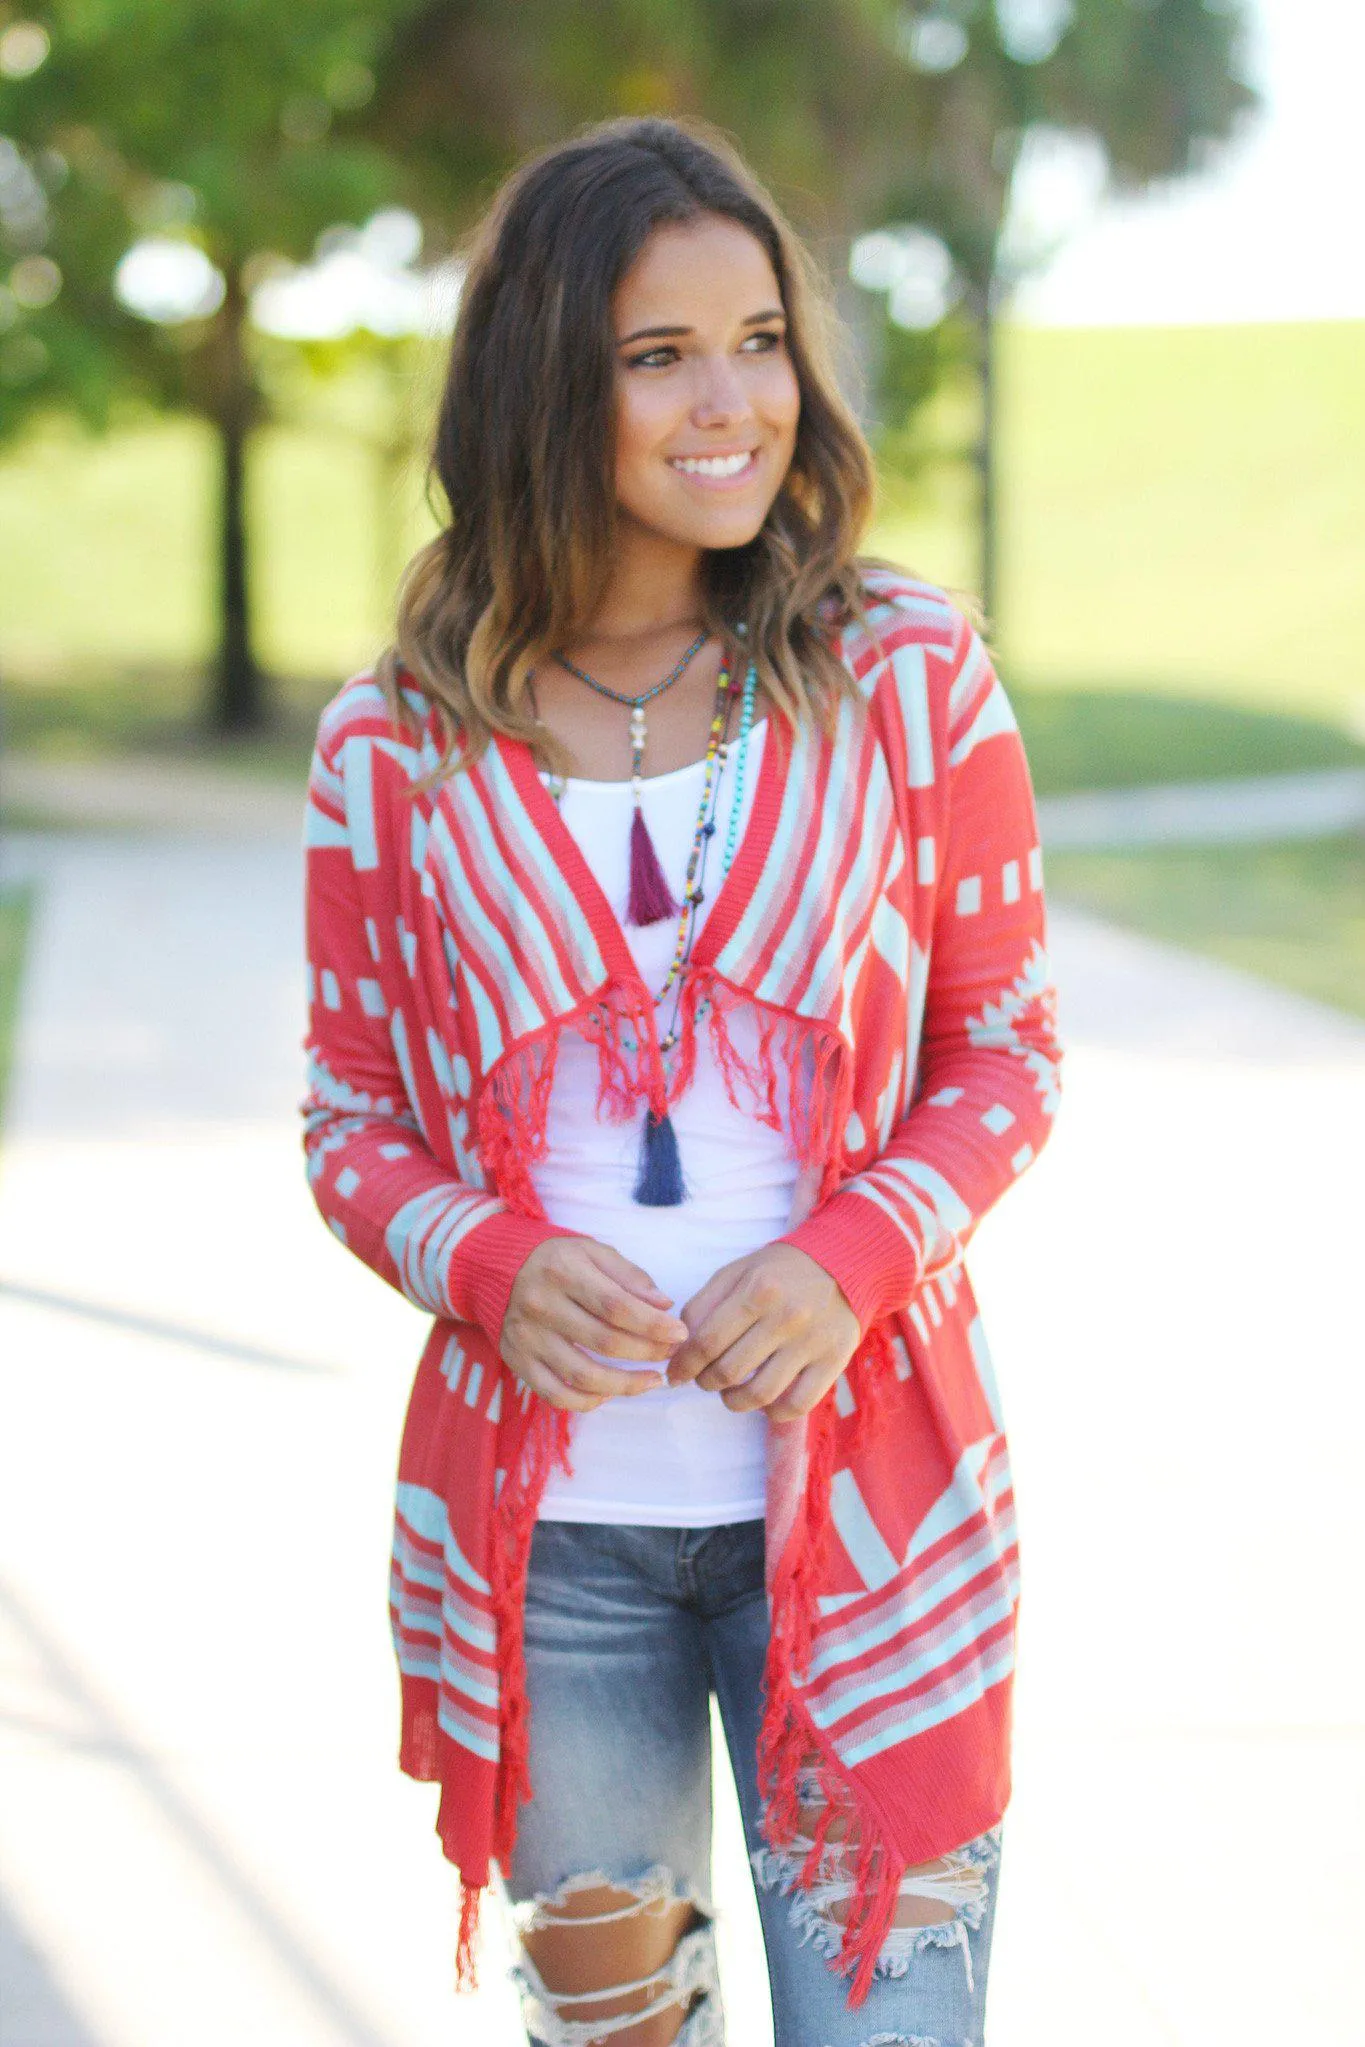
{"x":452,"y":1248}
{"x":989,"y":1059}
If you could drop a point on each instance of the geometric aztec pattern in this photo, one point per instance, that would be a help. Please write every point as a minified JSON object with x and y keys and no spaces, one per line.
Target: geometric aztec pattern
{"x":883,"y":920}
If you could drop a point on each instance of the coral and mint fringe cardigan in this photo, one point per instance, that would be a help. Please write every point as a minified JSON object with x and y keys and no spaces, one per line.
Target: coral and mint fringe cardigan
{"x":884,"y":918}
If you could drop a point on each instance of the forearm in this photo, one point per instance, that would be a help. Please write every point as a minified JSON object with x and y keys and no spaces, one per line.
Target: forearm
{"x":982,"y":1115}
{"x":451,"y":1249}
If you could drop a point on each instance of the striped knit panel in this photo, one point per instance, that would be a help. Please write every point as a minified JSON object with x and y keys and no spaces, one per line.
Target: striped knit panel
{"x":526,"y":949}
{"x":801,"y":948}
{"x":386,"y":1116}
{"x":864,"y":816}
{"x":917,"y":1615}
{"x":933,"y":1628}
{"x":478,"y":931}
{"x":988,"y":1067}
{"x":441,"y":1600}
{"x":975,"y":1096}
{"x":443,"y":1621}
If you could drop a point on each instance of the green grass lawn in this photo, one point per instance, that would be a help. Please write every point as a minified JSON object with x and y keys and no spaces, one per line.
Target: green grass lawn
{"x":1183,"y":510}
{"x":16,"y":910}
{"x":1294,"y":913}
{"x":1114,"y":738}
{"x":1182,"y":528}
{"x":106,"y":553}
{"x":1183,"y":517}
{"x":1076,"y":738}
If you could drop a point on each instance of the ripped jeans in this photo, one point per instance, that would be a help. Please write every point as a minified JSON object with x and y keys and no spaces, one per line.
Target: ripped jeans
{"x":628,"y":1631}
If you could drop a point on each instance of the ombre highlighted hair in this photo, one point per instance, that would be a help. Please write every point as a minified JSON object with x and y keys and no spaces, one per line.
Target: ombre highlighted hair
{"x":524,"y":461}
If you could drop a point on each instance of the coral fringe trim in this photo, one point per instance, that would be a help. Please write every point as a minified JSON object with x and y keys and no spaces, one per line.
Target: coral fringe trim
{"x":781,"y":1092}
{"x":790,"y":1745}
{"x":545,"y":1443}
{"x":514,"y":1105}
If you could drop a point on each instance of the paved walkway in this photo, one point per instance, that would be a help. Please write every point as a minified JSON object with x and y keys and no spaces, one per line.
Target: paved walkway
{"x":205,"y":1840}
{"x":1237,"y":812}
{"x":221,"y":803}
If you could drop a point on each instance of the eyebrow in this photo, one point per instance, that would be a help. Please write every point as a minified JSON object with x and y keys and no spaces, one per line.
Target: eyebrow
{"x":673,"y":333}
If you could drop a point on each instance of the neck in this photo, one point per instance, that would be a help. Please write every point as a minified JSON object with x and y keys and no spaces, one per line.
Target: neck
{"x":655,"y":586}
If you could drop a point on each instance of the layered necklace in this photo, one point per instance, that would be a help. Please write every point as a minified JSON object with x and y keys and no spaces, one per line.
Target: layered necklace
{"x":659,"y":1183}
{"x":650,"y":899}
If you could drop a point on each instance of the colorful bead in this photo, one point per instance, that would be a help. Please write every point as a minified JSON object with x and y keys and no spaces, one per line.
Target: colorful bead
{"x":717,"y":754}
{"x":746,"y":719}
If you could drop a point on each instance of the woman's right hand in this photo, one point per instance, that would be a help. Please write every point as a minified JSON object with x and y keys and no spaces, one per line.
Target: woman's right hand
{"x":574,"y":1295}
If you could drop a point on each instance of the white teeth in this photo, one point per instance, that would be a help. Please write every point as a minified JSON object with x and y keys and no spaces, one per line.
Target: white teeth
{"x":713,"y":465}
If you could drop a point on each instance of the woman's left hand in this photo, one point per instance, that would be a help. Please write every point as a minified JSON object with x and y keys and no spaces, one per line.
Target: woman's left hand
{"x":771,"y":1330}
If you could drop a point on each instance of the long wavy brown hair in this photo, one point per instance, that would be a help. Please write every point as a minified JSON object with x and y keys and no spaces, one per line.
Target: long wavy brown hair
{"x":523,"y":454}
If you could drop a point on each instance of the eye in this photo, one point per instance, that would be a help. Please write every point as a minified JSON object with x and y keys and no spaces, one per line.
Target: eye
{"x":653,"y":358}
{"x":764,"y":342}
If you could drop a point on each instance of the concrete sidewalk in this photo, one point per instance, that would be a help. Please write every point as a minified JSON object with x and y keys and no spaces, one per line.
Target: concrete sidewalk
{"x":205,"y":1839}
{"x":223,"y":803}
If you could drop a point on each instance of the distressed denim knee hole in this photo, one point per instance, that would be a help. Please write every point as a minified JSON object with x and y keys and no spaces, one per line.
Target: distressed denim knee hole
{"x":686,"y":1981}
{"x":958,"y":1884}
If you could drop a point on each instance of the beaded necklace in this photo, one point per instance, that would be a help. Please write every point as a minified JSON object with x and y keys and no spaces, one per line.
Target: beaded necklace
{"x":659,"y":1183}
{"x":650,"y":900}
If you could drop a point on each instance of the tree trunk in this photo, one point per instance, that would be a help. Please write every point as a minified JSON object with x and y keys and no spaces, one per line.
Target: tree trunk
{"x":239,"y":694}
{"x":984,"y":455}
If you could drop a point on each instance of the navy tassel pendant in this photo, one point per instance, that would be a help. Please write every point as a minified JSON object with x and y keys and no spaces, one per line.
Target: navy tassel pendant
{"x":660,"y":1183}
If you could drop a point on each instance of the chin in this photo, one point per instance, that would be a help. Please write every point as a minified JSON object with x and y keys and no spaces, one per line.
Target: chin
{"x":733,"y":528}
{"x":686,"y":519}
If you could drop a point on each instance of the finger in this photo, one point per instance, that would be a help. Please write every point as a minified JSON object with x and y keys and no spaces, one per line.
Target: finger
{"x":584,"y":1375}
{"x":715,"y":1318}
{"x":740,"y":1359}
{"x":633,"y":1277}
{"x":753,"y":1297}
{"x":695,"y":1310}
{"x":572,"y":1272}
{"x":543,"y":1381}
{"x":805,"y":1392}
{"x":769,"y":1382}
{"x":616,"y":1313}
{"x":575,"y":1323}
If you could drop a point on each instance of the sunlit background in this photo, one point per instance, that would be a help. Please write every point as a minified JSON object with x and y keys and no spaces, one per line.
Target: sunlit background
{"x":1158,"y":254}
{"x":1101,"y":267}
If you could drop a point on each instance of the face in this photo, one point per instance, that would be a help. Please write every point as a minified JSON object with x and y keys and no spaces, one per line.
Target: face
{"x":706,"y":396}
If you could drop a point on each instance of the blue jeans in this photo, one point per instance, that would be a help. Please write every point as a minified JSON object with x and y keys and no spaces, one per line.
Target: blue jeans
{"x":628,"y":1631}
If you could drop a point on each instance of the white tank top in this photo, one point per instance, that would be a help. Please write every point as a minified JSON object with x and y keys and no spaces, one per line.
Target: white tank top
{"x":674,"y":1457}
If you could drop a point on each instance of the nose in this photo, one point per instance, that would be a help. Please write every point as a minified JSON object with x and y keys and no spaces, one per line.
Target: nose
{"x":720,"y":398}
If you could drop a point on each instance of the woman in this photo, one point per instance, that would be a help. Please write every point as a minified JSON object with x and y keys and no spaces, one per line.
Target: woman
{"x":679,"y":1005}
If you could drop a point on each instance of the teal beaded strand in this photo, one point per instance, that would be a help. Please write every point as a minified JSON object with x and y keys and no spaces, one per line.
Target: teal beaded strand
{"x":746,"y":719}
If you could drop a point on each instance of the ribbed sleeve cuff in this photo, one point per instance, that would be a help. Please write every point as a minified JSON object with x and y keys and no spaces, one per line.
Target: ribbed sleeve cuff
{"x":485,"y":1267}
{"x":870,"y":1259}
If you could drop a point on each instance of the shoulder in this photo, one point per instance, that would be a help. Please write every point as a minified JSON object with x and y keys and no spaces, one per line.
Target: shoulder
{"x":903,"y":611}
{"x":359,"y":721}
{"x":365,"y":781}
{"x":918,"y":656}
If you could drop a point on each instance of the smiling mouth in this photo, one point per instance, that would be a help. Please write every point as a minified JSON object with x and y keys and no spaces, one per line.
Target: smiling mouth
{"x":717,"y":468}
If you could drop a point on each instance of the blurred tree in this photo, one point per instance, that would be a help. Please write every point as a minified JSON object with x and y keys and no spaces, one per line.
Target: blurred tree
{"x":164,"y":156}
{"x":155,"y":160}
{"x":1153,"y":83}
{"x":859,"y":113}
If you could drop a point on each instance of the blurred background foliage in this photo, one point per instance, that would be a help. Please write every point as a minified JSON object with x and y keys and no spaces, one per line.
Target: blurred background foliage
{"x":244,"y":130}
{"x":226,"y":275}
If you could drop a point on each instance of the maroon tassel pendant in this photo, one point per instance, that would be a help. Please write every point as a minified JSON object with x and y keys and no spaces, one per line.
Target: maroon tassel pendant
{"x":650,"y":899}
